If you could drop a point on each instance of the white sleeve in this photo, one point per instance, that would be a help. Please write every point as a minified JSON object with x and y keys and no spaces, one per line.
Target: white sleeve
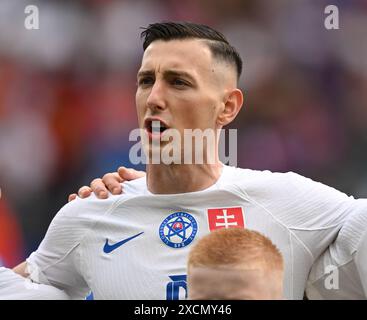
{"x":312,"y":211}
{"x":341,"y":271}
{"x":58,"y":261}
{"x":299,"y":202}
{"x":361,"y":262}
{"x":15,"y":287}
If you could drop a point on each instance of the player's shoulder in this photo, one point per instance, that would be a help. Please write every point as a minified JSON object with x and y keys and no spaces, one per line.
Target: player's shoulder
{"x":135,"y":187}
{"x":353,"y":234}
{"x":81,"y":214}
{"x":264,"y":178}
{"x":279,"y":182}
{"x":93,"y":205}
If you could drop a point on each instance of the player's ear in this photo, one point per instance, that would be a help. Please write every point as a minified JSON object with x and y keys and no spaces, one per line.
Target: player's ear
{"x":232,"y":105}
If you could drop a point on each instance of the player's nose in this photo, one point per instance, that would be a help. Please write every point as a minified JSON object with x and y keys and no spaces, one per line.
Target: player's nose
{"x":156,"y":99}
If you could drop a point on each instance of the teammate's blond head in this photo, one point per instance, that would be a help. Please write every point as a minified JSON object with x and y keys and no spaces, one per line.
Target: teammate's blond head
{"x":235,"y":264}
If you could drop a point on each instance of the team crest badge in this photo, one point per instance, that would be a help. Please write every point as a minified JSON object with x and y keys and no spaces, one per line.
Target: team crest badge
{"x":178,"y":230}
{"x":225,"y":218}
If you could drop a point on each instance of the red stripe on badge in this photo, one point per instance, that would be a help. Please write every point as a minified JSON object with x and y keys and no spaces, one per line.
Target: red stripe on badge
{"x":226,"y":218}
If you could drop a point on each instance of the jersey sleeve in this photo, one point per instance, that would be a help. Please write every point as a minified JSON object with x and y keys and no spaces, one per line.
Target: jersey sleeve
{"x":58,"y":261}
{"x":313,"y":212}
{"x":15,"y":287}
{"x":341,"y":271}
{"x":361,"y":262}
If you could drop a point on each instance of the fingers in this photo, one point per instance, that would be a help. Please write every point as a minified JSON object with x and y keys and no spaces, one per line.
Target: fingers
{"x":99,"y":188}
{"x":72,"y":197}
{"x":113,"y":182}
{"x":84,"y":192}
{"x":130,"y":174}
{"x":110,"y":182}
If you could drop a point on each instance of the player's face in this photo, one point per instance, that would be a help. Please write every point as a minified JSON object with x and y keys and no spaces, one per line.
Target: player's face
{"x":179,"y":84}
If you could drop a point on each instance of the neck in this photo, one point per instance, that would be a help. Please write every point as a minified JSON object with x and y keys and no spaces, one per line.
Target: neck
{"x":178,"y":178}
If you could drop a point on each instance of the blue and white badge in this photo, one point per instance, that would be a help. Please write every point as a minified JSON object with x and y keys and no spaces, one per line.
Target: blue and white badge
{"x":178,"y":230}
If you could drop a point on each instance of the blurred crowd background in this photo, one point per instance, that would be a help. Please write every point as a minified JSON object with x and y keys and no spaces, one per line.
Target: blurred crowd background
{"x":67,"y":96}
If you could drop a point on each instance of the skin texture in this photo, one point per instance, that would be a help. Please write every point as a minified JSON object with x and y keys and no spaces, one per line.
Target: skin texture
{"x":180,"y":83}
{"x":183,"y":85}
{"x":234,"y":283}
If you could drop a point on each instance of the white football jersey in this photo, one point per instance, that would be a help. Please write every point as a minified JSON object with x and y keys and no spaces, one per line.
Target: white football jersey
{"x":341,"y":271}
{"x":135,"y":245}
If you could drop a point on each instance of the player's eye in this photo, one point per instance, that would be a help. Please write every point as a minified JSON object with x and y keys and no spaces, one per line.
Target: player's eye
{"x":145,"y":81}
{"x":179,"y":82}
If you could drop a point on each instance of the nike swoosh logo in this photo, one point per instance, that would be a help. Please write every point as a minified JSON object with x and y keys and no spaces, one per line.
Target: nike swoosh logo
{"x":109,"y":248}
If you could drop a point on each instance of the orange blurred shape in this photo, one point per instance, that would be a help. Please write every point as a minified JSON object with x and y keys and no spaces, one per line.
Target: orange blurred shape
{"x":11,"y":243}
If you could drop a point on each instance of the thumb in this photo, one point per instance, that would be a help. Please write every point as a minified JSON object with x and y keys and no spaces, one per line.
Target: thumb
{"x":130,"y":174}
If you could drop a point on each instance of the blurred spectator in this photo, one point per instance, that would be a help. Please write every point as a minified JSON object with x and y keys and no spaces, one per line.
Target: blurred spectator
{"x":11,"y":246}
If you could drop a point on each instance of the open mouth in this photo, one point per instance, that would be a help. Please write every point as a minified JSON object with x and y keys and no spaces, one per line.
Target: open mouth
{"x":155,"y":127}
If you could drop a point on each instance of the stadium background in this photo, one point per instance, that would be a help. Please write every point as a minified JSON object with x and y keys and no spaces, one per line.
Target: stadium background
{"x":67,"y":96}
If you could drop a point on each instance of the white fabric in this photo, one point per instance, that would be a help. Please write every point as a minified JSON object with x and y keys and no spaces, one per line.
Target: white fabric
{"x":341,"y":272}
{"x":300,"y":216}
{"x":15,"y":287}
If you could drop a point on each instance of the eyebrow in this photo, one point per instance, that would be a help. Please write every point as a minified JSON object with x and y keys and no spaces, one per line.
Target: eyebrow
{"x":145,"y":73}
{"x":168,"y":73}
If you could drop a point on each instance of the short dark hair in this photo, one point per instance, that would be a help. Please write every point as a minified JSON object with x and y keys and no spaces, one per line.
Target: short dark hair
{"x":218,"y":44}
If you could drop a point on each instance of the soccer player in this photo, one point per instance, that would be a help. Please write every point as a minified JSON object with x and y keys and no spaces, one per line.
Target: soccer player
{"x":135,"y":245}
{"x":235,"y":264}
